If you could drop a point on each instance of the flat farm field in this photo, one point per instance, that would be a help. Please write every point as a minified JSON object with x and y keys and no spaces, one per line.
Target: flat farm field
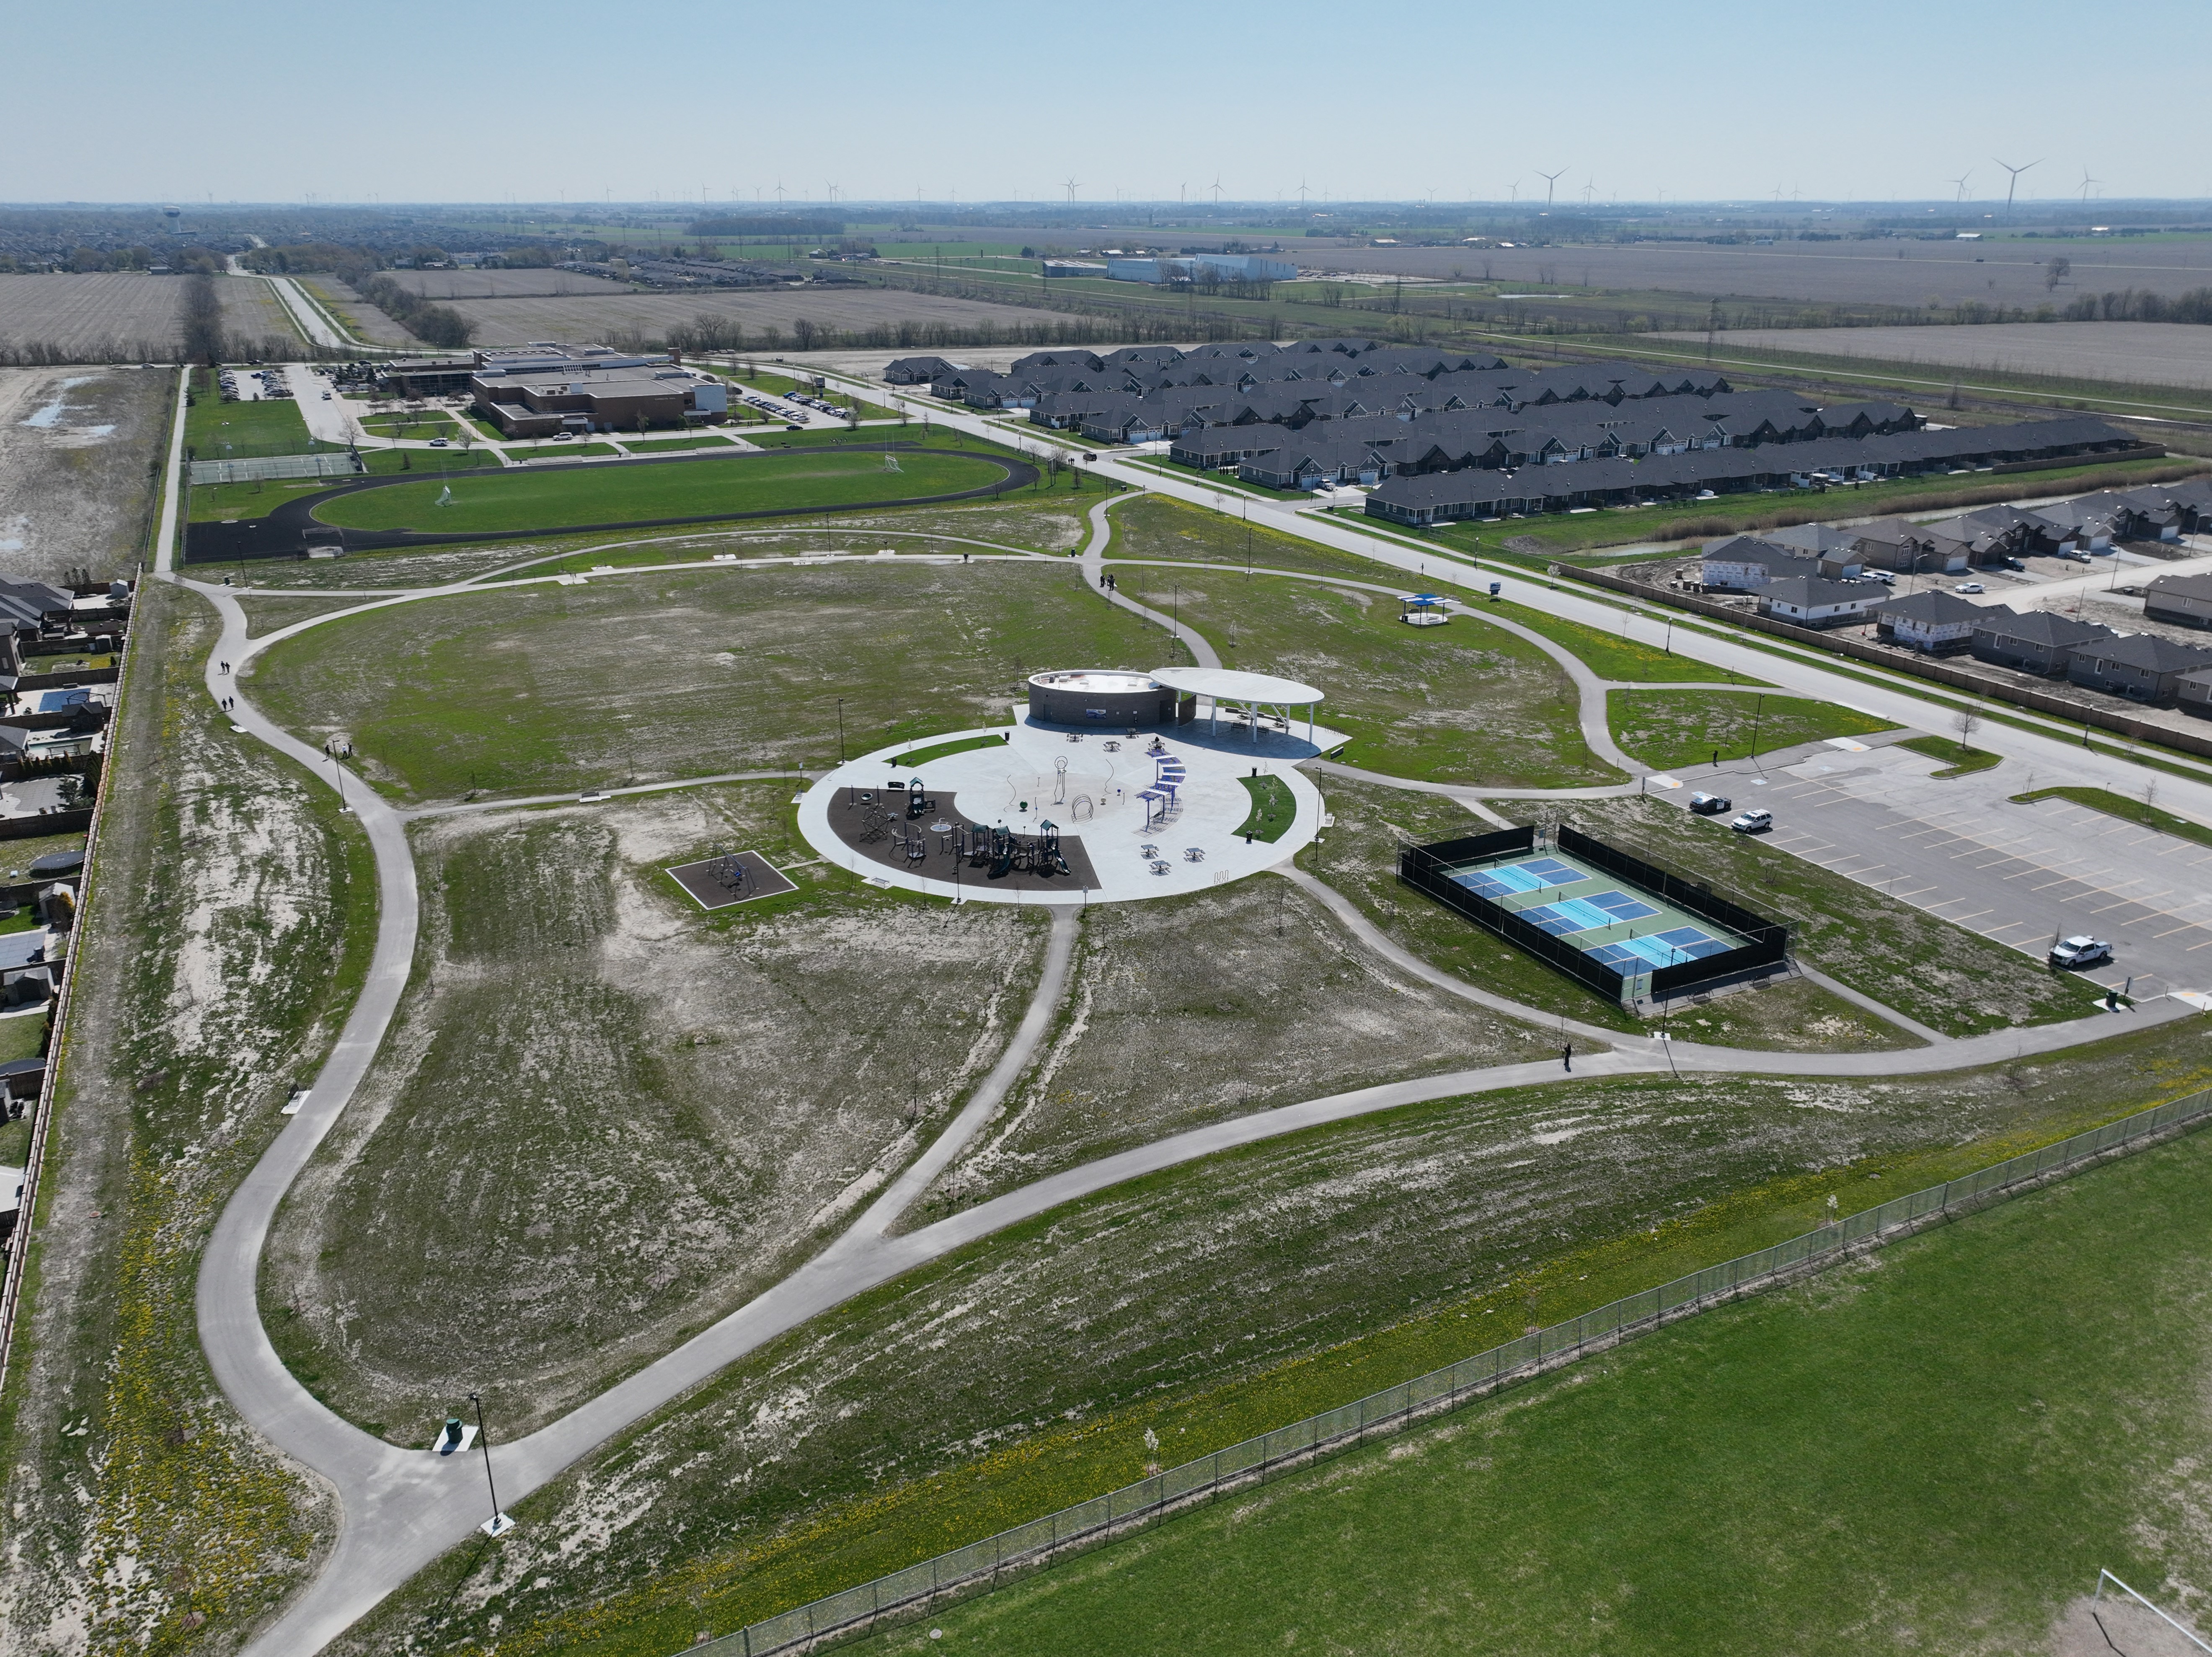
{"x":1909,"y":273}
{"x":94,"y":318}
{"x":691,"y":488}
{"x":765,"y":314}
{"x":2131,"y":353}
{"x":444,"y":285}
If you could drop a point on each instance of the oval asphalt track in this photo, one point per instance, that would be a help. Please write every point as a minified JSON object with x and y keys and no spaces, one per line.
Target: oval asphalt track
{"x":284,"y":533}
{"x":401,"y":1508}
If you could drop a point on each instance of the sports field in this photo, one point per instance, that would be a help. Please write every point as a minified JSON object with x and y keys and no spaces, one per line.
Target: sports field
{"x":1630,"y":930}
{"x":1933,"y":1451}
{"x":609,"y":494}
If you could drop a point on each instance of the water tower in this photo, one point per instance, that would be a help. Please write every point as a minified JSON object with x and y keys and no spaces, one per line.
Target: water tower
{"x":173,"y":213}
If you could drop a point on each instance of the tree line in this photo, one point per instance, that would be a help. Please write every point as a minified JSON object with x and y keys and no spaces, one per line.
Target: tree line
{"x":433,"y":324}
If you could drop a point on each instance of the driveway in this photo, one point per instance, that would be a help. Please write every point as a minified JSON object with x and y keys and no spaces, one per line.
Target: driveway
{"x":1958,"y":848}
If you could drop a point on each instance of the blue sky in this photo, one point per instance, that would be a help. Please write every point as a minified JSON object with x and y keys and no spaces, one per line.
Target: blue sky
{"x":252,"y":100}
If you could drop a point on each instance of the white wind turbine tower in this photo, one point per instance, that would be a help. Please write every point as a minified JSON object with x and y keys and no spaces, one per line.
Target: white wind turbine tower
{"x":2014,"y":184}
{"x":1551,"y":183}
{"x":1216,"y":188}
{"x":2085,"y":182}
{"x":1070,"y":188}
{"x":1961,"y":182}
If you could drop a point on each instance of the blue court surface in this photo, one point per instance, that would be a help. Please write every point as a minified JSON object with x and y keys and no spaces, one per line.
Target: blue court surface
{"x":1532,"y":876}
{"x":1632,"y":932}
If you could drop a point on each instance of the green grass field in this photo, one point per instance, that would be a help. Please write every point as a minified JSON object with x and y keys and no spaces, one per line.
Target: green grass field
{"x":627,"y":494}
{"x":216,"y":430}
{"x":1933,"y":1451}
{"x":570,"y":452}
{"x":1612,"y":656}
{"x":672,"y":445}
{"x":945,"y":750}
{"x":1463,"y":703}
{"x":1154,"y":526}
{"x":2126,"y":809}
{"x":1275,"y":808}
{"x":1958,"y":760}
{"x":544,"y":688}
{"x":1671,"y":728}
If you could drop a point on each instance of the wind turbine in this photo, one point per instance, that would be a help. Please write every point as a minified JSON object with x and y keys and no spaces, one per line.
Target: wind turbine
{"x":1589,"y":190}
{"x":779,"y":192}
{"x":1513,"y":190}
{"x":2085,"y":182}
{"x":1070,"y":187}
{"x":1302,"y":195}
{"x":1961,"y":182}
{"x":1216,"y":187}
{"x":1551,"y":183}
{"x":2014,"y":184}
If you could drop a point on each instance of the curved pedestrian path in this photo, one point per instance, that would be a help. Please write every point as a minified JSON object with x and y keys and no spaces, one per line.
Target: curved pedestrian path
{"x":402,"y":1508}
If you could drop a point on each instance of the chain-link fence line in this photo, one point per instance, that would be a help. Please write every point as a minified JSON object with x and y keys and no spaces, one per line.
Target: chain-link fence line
{"x":982,"y":1565}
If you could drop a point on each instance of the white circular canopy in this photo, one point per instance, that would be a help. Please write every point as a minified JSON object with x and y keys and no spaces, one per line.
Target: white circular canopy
{"x":1226,"y":684}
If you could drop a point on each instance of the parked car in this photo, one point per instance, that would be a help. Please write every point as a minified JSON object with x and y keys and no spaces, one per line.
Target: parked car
{"x":1970,"y":586}
{"x":2014,"y":563}
{"x":1710,"y":805}
{"x":1752,"y":822}
{"x":2070,"y":954}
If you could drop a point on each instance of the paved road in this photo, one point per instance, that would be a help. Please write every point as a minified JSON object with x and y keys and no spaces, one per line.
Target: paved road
{"x":307,"y":316}
{"x":165,"y":540}
{"x":402,"y":1508}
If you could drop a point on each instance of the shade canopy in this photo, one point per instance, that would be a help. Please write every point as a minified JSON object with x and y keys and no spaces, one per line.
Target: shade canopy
{"x":1227,"y":684}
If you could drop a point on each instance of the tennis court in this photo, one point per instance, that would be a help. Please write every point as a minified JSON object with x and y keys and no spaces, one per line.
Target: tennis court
{"x":1627,"y":928}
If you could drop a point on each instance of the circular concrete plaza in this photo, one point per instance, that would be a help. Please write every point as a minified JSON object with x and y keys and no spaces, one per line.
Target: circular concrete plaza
{"x":1130,"y":810}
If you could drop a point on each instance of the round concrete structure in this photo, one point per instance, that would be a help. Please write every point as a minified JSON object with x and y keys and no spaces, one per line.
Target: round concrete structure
{"x":1100,"y":696}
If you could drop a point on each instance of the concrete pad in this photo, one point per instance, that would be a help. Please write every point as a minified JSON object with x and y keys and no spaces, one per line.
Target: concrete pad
{"x":1111,"y":771}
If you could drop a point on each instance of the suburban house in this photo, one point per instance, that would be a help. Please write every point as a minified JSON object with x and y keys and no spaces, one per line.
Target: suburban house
{"x":2192,"y":692}
{"x":923,"y":370}
{"x":1894,"y":544}
{"x":2036,"y":642}
{"x":1739,"y":562}
{"x":2183,"y":598}
{"x":2141,"y":666}
{"x":1939,"y":623}
{"x":1811,"y":601}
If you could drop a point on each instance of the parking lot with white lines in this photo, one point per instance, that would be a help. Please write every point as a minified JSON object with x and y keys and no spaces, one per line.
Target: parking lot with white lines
{"x":1959,"y":848}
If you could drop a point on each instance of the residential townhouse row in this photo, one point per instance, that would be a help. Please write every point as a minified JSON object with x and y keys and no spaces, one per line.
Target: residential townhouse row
{"x":1419,"y":499}
{"x":1819,"y":575}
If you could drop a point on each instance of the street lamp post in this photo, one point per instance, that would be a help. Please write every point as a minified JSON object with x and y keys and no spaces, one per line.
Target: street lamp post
{"x":483,"y":1438}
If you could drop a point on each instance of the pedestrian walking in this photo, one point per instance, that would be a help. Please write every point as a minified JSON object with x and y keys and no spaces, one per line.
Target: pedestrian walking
{"x":1567,"y":1057}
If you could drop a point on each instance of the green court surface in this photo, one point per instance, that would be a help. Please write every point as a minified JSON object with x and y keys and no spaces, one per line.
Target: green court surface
{"x":610,"y":495}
